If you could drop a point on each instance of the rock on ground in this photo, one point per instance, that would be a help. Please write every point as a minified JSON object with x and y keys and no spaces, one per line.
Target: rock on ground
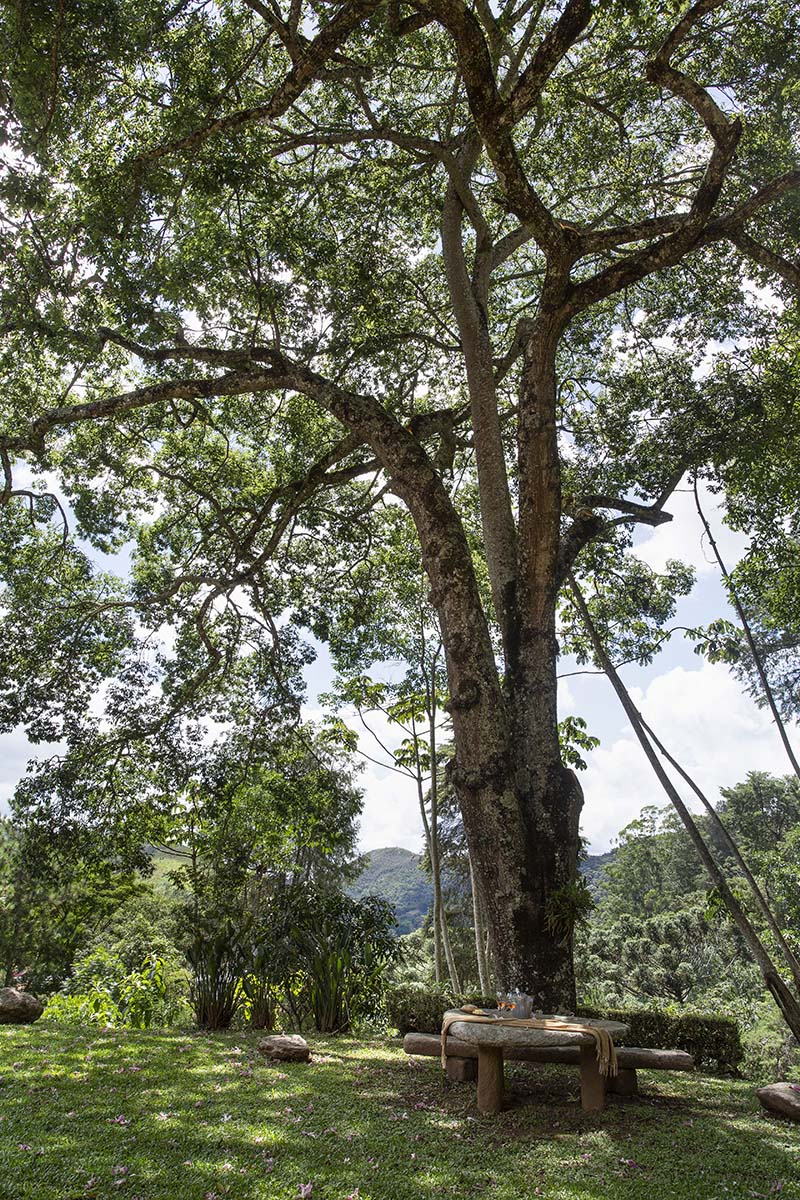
{"x":781,"y":1098}
{"x":285,"y":1047}
{"x":18,"y":1008}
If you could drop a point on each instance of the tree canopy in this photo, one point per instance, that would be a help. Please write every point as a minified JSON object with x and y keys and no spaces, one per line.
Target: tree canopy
{"x":271,"y":271}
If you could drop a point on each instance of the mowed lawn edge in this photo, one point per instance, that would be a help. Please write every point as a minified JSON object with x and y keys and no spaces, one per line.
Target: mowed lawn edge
{"x":178,"y":1115}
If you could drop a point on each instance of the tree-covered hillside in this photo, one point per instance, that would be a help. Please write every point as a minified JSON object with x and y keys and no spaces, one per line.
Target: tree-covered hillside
{"x":592,"y":869}
{"x":396,"y":875}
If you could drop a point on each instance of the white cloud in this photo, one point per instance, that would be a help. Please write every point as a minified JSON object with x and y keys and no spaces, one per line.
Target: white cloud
{"x":567,"y":702}
{"x":391,"y":811}
{"x":716,"y":732}
{"x":683,"y":537}
{"x":702,"y":716}
{"x":15,"y":752}
{"x":390,"y":816}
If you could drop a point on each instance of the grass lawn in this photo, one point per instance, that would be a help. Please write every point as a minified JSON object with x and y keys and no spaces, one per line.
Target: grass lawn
{"x":181,"y":1116}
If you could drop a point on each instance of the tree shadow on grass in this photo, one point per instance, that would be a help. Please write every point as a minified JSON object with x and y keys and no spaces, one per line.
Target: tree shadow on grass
{"x":169,"y":1116}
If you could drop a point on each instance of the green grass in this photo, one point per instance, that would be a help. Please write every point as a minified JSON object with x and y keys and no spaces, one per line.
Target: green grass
{"x":179,"y":1116}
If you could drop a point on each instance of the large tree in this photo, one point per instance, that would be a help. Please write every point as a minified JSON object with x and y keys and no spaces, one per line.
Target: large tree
{"x":273,"y":267}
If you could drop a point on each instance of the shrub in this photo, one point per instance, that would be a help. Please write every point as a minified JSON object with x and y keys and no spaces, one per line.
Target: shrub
{"x":141,"y":994}
{"x":343,"y":947}
{"x":154,"y":993}
{"x":94,"y":1007}
{"x":216,"y":957}
{"x":414,"y":1008}
{"x":770,"y":1051}
{"x":103,"y":993}
{"x":143,"y":926}
{"x":260,"y":995}
{"x":712,"y":1041}
{"x":98,"y":968}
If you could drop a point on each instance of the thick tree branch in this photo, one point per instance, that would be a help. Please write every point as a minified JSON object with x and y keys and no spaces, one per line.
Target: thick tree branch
{"x":766,"y":194}
{"x":509,"y":244}
{"x":774,"y":263}
{"x":643,"y":514}
{"x":491,"y":115}
{"x":635,"y":231}
{"x":725,"y":135}
{"x":587,"y":524}
{"x":234,"y":383}
{"x":550,"y":52}
{"x":314,"y":56}
{"x":469,"y":297}
{"x":522,"y":333}
{"x":684,"y":27}
{"x":725,"y":226}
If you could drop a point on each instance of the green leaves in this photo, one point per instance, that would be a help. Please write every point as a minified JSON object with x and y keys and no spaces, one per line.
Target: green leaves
{"x":631,"y":607}
{"x":719,"y":641}
{"x":569,"y":908}
{"x":573,"y":739}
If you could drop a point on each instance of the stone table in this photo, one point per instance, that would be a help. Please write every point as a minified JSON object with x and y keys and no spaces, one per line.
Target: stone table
{"x":492,"y":1038}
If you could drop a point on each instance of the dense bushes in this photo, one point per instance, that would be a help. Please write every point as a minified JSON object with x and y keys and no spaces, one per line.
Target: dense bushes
{"x":770,"y":1050}
{"x":343,"y":947}
{"x":105,"y":993}
{"x":313,"y":957}
{"x":319,"y":956}
{"x":217,"y":959}
{"x":414,"y":1008}
{"x":712,"y":1041}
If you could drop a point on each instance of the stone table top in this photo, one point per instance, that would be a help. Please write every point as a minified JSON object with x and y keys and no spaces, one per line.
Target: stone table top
{"x":500,"y":1033}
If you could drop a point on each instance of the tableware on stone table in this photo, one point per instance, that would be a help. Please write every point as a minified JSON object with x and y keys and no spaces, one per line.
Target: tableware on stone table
{"x":515,"y":1004}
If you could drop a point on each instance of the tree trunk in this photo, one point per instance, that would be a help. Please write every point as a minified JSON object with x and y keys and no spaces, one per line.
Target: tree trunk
{"x":548,"y":794}
{"x":521,"y":825}
{"x":519,"y":804}
{"x":469,"y":297}
{"x":479,"y":926}
{"x":438,"y":960}
{"x":436,"y":866}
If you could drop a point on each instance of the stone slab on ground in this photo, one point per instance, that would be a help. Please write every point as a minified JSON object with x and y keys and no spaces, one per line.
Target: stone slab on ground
{"x":781,"y":1098}
{"x":18,"y":1008}
{"x":285,"y":1047}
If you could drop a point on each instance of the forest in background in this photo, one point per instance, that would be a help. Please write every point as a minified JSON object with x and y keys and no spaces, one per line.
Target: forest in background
{"x":139,"y":946}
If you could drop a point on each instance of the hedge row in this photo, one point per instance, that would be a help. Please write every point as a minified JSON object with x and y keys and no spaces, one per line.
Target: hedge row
{"x":412,"y":1008}
{"x":712,"y":1041}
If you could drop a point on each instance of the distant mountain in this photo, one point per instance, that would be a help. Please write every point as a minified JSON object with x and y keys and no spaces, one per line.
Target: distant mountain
{"x":396,"y":875}
{"x":592,"y":871}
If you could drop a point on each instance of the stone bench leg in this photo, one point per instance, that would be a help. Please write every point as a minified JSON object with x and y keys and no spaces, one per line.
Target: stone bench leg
{"x":624,"y":1083}
{"x":593,"y":1084}
{"x":461,"y":1070}
{"x":491,"y":1086}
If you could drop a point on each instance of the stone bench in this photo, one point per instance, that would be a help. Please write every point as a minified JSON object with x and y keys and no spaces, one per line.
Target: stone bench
{"x":462,"y":1064}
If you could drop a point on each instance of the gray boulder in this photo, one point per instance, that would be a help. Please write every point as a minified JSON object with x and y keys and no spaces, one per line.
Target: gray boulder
{"x":781,"y":1098}
{"x":285,"y":1047}
{"x":18,"y":1008}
